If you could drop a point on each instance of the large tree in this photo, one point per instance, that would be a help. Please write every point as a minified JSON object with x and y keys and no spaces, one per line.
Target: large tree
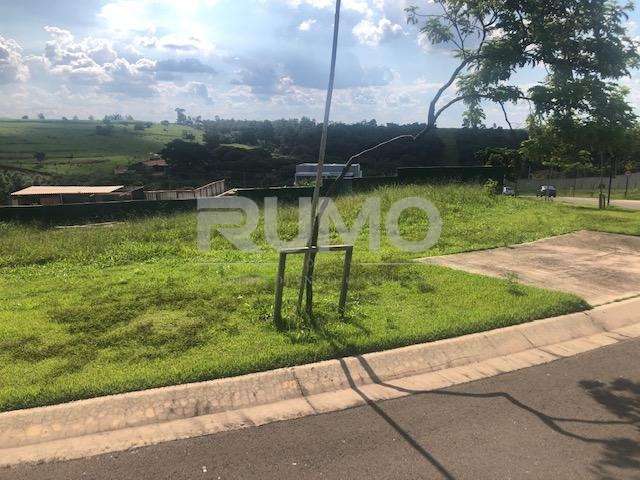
{"x":582,"y":45}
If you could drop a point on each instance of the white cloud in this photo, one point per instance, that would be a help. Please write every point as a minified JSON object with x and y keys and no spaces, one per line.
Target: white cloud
{"x":93,"y":63}
{"x":360,"y":6}
{"x":424,"y":43}
{"x":12,"y":67}
{"x":370,"y":33}
{"x":199,"y":91}
{"x":306,"y":25}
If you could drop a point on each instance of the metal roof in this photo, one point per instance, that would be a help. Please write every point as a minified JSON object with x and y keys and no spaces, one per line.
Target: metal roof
{"x":67,"y":190}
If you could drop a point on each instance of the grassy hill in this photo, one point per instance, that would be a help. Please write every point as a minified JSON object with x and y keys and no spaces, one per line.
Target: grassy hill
{"x":73,"y":148}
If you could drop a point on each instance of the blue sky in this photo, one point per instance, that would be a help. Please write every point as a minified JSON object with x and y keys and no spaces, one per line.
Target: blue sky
{"x":251,"y":59}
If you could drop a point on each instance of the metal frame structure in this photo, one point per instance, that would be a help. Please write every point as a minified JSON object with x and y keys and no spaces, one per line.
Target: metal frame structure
{"x":280,"y":279}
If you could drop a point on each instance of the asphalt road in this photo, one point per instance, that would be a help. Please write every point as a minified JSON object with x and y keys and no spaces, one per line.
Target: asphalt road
{"x":577,"y":418}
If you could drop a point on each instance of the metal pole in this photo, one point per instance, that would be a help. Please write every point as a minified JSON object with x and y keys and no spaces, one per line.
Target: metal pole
{"x":306,"y":281}
{"x":612,"y":168}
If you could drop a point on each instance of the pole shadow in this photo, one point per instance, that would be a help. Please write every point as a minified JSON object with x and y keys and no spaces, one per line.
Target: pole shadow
{"x":621,"y":398}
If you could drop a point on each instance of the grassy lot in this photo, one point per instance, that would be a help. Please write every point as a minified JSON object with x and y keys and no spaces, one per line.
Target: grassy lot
{"x":94,"y":311}
{"x":73,"y":148}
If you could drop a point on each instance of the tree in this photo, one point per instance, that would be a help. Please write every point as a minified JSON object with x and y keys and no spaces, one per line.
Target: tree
{"x":181,"y":118}
{"x":41,"y":116}
{"x":11,"y":182}
{"x":187,"y":159}
{"x":510,"y":159}
{"x":91,"y":118}
{"x":40,"y":156}
{"x":25,"y":117}
{"x":212,"y":139}
{"x":582,"y":44}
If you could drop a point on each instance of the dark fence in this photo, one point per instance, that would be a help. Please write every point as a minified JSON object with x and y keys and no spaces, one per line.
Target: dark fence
{"x":448,"y":174}
{"x":69,"y":214}
{"x":72,"y":213}
{"x":286,"y":194}
{"x":405,"y":176}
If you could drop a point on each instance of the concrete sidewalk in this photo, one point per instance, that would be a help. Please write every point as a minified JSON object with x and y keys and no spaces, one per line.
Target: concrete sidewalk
{"x":599,"y":267}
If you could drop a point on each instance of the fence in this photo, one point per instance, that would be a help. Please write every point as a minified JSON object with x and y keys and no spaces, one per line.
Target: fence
{"x":77,"y":213}
{"x":212,"y":189}
{"x":584,"y":185}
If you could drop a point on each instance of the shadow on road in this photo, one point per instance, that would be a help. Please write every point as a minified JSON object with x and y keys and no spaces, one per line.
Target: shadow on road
{"x":620,"y":397}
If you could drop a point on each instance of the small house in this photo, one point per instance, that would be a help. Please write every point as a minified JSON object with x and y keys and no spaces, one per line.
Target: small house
{"x":58,"y":195}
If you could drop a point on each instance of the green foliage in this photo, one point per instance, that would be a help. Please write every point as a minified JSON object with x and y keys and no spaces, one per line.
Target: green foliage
{"x":186,"y":158}
{"x":11,"y":182}
{"x":509,"y":159}
{"x":102,"y":310}
{"x":582,"y":44}
{"x":491,"y":187}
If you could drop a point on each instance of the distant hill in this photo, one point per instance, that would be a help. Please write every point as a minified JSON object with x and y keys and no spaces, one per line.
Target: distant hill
{"x":245,"y":153}
{"x":76,"y":150}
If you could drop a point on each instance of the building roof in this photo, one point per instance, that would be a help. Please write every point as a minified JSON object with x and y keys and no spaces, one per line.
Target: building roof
{"x":155,"y":162}
{"x":67,"y":190}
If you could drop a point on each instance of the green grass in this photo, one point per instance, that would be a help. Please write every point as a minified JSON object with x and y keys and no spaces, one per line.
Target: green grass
{"x":95,"y":311}
{"x":73,"y":148}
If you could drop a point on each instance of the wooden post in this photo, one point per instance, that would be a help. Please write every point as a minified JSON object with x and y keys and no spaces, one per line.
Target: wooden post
{"x":306,"y":251}
{"x":346,"y":272}
{"x":277,"y":309}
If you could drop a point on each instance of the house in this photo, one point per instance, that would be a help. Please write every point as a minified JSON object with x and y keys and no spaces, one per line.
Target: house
{"x":212,"y":189}
{"x":306,"y":172}
{"x":58,"y":195}
{"x":156,"y":166}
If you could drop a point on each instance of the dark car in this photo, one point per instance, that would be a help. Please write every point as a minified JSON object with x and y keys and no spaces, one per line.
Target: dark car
{"x":547,"y":191}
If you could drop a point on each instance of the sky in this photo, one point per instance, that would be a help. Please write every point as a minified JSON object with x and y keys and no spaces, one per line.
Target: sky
{"x":244,"y":59}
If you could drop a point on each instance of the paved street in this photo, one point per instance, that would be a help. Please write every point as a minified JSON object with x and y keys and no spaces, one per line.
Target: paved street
{"x":576,"y":418}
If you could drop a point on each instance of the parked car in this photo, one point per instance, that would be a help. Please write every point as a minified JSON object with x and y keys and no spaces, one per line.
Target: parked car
{"x":547,"y":191}
{"x":508,"y":191}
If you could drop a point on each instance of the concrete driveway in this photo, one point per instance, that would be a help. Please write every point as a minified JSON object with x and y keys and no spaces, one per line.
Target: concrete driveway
{"x":593,"y":202}
{"x":599,"y":267}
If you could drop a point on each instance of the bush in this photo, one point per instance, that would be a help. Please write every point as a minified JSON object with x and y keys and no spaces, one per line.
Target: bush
{"x":491,"y":187}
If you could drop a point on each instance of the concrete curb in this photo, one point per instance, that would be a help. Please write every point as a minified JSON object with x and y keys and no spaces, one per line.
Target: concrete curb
{"x":120,"y":422}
